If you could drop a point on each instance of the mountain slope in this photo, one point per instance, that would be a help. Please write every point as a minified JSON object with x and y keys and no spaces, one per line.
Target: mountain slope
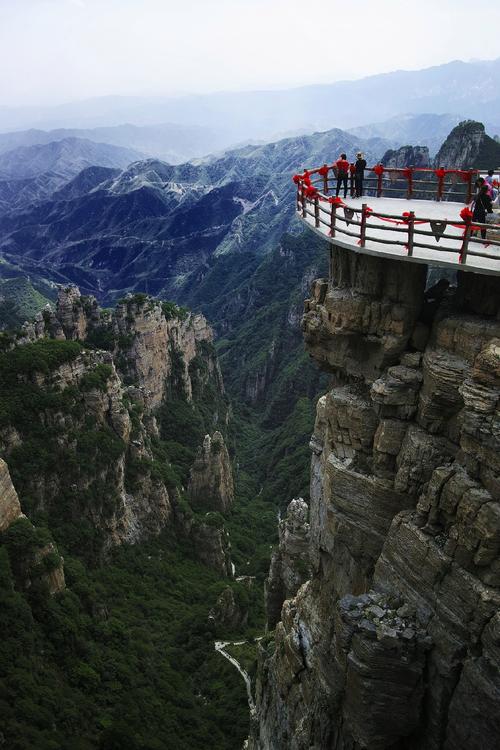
{"x":29,"y":174}
{"x":155,"y":227}
{"x":170,"y":142}
{"x":65,"y":158}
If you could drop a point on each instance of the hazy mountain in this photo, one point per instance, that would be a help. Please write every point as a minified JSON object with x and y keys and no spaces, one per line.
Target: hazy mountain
{"x":468,"y":89}
{"x":172,"y":143}
{"x":66,"y":158}
{"x":419,"y":130}
{"x":29,"y":174}
{"x":155,"y":226}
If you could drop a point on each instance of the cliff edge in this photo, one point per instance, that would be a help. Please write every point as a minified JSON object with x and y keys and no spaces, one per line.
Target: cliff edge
{"x":394,"y":641}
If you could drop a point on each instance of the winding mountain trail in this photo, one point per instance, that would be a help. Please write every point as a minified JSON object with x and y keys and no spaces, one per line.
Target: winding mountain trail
{"x":220,"y":647}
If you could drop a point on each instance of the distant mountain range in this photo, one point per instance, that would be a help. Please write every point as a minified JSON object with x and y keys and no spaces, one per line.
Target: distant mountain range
{"x":31,"y":173}
{"x":408,"y":129}
{"x":154,"y":226}
{"x":171,"y":143}
{"x":466,"y":89}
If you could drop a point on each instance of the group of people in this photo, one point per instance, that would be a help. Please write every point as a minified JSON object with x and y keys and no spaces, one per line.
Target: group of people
{"x":485,"y":196}
{"x":353,"y":170}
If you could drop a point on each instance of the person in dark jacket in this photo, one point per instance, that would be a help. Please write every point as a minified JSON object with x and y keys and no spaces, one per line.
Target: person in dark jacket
{"x":342,"y":166}
{"x":482,"y":206}
{"x":359,"y":173}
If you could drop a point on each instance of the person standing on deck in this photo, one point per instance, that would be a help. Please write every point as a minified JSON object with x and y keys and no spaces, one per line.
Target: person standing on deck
{"x":489,"y":181}
{"x":342,"y":166}
{"x":482,"y":206}
{"x":359,"y":174}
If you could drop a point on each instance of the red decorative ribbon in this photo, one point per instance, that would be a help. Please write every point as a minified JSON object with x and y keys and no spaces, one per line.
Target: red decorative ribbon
{"x":323,"y":171}
{"x":378,"y":169}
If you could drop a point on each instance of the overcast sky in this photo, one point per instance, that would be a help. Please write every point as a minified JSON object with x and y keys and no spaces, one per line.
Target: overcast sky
{"x":53,"y":51}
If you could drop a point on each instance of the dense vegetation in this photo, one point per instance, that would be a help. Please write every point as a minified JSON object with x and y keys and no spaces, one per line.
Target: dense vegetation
{"x":124,"y":657}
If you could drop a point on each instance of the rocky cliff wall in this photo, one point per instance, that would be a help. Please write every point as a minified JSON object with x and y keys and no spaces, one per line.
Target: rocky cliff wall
{"x":394,"y":640}
{"x":89,"y":449}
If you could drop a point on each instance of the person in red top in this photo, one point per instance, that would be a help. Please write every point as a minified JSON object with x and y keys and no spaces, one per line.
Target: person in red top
{"x":342,"y":166}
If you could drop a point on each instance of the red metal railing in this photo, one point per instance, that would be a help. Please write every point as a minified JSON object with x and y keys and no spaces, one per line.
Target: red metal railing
{"x":412,"y":182}
{"x":333,"y":217}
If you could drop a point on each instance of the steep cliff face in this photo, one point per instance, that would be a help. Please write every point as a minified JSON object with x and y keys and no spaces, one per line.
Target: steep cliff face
{"x":393,"y":642}
{"x":35,"y":557}
{"x":407,"y":156}
{"x":10,"y":507}
{"x":289,"y":567}
{"x":99,"y":390}
{"x":468,"y":146}
{"x":211,"y":485}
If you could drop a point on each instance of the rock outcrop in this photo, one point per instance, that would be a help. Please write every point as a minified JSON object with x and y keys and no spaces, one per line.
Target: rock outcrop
{"x":468,"y":146}
{"x":393,"y":642}
{"x":211,"y":485}
{"x":227,"y":614}
{"x":289,"y":567}
{"x":407,"y":156}
{"x":101,"y":420}
{"x":10,"y":507}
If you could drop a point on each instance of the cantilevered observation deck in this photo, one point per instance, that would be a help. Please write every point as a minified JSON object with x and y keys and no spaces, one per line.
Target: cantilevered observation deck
{"x":414,"y":215}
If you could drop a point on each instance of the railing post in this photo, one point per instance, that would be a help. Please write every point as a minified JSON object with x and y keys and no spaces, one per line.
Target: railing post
{"x":316,"y":212}
{"x":469,"y":187}
{"x":411,"y":232}
{"x":298,"y":197}
{"x":333,"y":219}
{"x":465,"y":244}
{"x":325,"y":179}
{"x":304,"y":200}
{"x":440,"y":185}
{"x":410,"y":182}
{"x":362,"y":231}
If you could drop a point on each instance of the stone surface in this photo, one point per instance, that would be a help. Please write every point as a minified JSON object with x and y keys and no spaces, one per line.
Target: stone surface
{"x":211,"y":485}
{"x":10,"y":508}
{"x":290,"y":566}
{"x":393,"y":643}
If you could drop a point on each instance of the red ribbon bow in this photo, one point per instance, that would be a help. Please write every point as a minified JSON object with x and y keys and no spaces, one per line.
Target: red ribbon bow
{"x":336,"y":201}
{"x":323,"y":171}
{"x":378,"y":169}
{"x":440,"y":173}
{"x":311,"y":192}
{"x":466,"y":214}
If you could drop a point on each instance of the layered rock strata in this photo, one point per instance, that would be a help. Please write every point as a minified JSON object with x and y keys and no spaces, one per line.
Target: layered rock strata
{"x":290,"y":566}
{"x":393,"y":643}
